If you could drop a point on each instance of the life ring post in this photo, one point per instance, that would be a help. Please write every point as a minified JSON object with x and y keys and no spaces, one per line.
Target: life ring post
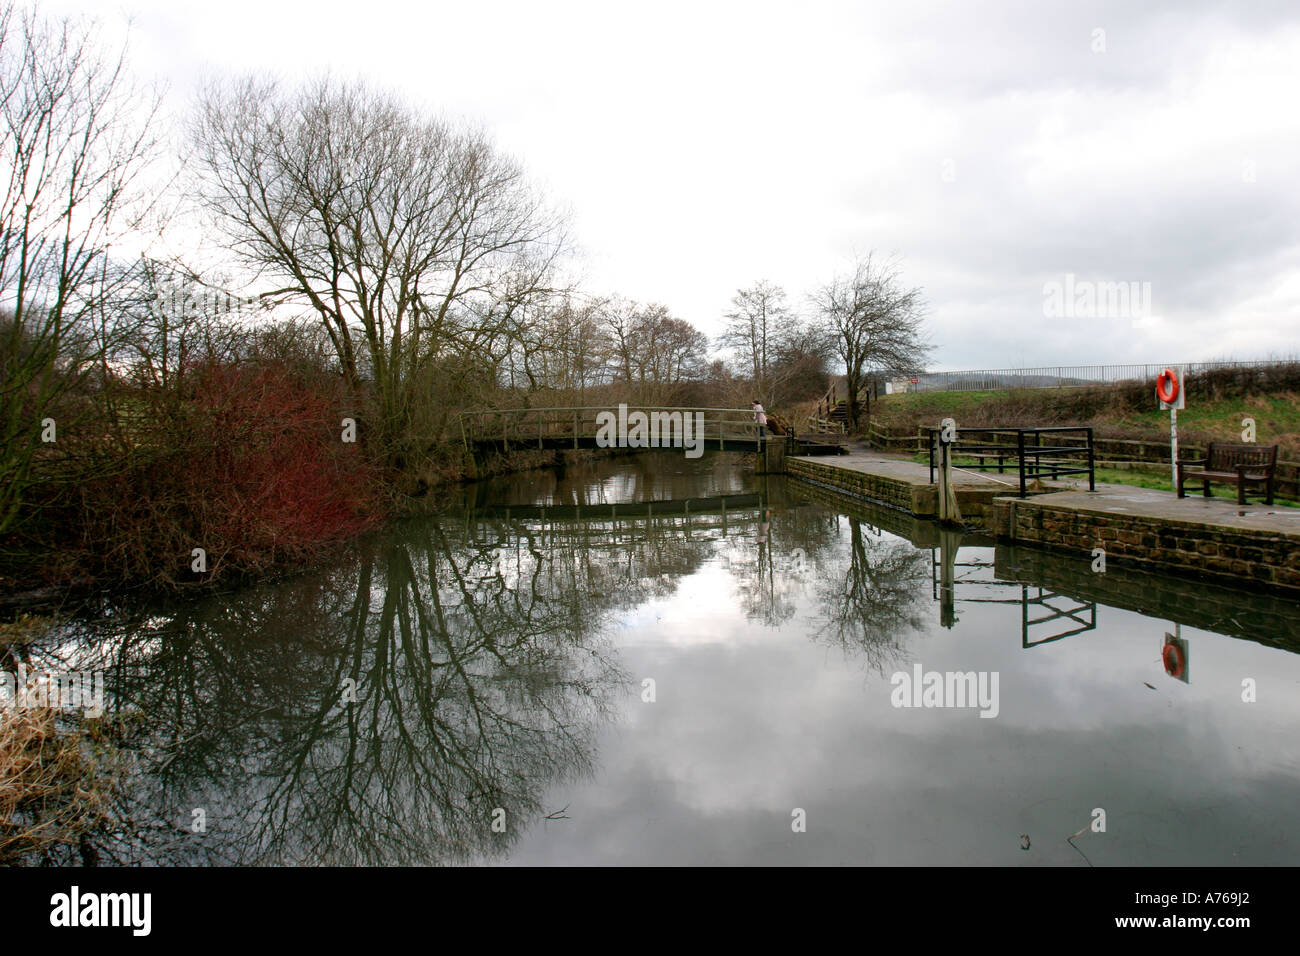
{"x":1170,"y":394}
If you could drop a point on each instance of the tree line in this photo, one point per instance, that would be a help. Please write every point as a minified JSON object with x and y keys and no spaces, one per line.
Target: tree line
{"x":362,"y":261}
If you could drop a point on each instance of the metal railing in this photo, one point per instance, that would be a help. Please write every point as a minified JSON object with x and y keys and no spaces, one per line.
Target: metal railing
{"x":1063,"y":376}
{"x":1032,"y":460}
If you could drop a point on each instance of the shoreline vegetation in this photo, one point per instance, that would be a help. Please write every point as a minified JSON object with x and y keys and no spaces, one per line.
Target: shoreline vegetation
{"x":56,"y":785}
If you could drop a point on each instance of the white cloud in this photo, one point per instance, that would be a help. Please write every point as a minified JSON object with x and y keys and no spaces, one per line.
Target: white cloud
{"x":703,"y":146}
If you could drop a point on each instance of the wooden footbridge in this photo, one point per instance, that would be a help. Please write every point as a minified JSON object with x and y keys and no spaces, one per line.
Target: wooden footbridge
{"x":643,"y":427}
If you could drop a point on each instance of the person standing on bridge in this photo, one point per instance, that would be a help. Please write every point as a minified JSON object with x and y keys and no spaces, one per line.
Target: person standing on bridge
{"x":760,"y":417}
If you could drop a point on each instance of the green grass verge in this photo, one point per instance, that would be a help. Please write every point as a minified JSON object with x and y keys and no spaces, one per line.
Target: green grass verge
{"x":1108,"y":411}
{"x":1132,"y":477}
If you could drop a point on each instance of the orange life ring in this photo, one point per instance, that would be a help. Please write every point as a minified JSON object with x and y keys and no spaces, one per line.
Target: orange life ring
{"x":1172,"y":656}
{"x":1167,"y":387}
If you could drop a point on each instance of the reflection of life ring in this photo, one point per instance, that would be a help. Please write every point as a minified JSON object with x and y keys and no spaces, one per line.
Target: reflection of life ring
{"x":1167,"y":387}
{"x":1173,"y":658}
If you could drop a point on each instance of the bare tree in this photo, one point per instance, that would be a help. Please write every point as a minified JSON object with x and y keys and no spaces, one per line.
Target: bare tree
{"x":74,"y":137}
{"x":784,"y":357}
{"x":620,"y":334}
{"x":410,"y":237}
{"x":875,"y":323}
{"x":649,"y":351}
{"x":799,"y":369}
{"x":672,"y":350}
{"x":758,"y":320}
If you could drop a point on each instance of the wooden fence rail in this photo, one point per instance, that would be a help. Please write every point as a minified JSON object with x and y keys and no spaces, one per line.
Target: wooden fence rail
{"x":662,"y":426}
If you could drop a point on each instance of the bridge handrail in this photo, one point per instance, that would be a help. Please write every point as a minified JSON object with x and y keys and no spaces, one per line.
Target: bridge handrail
{"x":510,"y":424}
{"x":604,"y":408}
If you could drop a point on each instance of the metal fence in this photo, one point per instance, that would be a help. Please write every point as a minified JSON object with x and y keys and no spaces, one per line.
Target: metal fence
{"x":986,"y":448}
{"x":1062,"y":376}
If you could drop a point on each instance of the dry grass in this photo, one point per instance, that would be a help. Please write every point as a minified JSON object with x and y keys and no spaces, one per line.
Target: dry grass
{"x":26,"y":629}
{"x":50,"y":790}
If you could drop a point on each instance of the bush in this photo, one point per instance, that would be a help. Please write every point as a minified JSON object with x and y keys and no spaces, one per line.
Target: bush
{"x":245,"y":461}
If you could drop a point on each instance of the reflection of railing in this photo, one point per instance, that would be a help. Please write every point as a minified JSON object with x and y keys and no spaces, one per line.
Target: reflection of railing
{"x":944,"y":582}
{"x":1031,"y":460}
{"x":1265,"y":618}
{"x":1043,"y":599}
{"x":621,"y":510}
{"x":644,"y":426}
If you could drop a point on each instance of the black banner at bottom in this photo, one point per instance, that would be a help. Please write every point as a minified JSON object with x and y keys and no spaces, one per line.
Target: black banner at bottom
{"x":331,"y":906}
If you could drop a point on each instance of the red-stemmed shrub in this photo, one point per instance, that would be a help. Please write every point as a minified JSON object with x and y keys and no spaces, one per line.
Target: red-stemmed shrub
{"x":244,"y":460}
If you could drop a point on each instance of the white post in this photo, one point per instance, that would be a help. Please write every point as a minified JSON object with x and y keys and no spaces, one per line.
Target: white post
{"x":944,"y":477}
{"x":1179,"y":401}
{"x":1173,"y":443}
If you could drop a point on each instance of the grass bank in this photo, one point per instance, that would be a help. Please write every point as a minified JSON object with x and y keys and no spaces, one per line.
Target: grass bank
{"x":1217,"y":403}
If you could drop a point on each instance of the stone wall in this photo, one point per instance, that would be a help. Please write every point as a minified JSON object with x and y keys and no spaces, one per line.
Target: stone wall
{"x":1233,"y":555}
{"x":918,"y":499}
{"x":921,"y":532}
{"x":914,"y":499}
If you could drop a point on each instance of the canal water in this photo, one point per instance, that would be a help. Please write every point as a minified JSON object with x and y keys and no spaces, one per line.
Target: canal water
{"x":531,"y":677}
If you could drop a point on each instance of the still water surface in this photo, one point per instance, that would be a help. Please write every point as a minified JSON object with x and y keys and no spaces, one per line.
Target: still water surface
{"x":501,"y":664}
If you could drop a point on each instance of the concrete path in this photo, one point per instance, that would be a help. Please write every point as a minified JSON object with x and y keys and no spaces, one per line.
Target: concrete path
{"x":902,"y":468}
{"x":1167,"y":506}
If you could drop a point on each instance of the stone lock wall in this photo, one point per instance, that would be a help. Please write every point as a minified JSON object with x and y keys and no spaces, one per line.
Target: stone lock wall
{"x":915,"y":499}
{"x":1242,"y":556}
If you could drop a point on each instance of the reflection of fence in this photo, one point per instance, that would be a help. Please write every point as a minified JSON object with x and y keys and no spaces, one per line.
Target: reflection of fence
{"x":1031,"y":459}
{"x":621,"y":510}
{"x":604,"y":525}
{"x":1054,"y":606}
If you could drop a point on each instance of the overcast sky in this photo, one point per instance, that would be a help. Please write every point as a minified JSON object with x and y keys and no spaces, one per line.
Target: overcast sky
{"x":996,"y":147}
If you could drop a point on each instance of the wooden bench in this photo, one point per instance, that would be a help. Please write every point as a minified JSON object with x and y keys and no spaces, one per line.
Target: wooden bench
{"x":1238,"y":464}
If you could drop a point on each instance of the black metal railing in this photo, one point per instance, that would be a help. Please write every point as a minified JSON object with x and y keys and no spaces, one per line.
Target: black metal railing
{"x":1023,"y":450}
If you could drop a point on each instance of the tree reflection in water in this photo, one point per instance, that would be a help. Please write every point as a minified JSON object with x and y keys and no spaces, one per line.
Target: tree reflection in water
{"x":873,"y":594}
{"x":481,"y":676}
{"x":479,"y":656}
